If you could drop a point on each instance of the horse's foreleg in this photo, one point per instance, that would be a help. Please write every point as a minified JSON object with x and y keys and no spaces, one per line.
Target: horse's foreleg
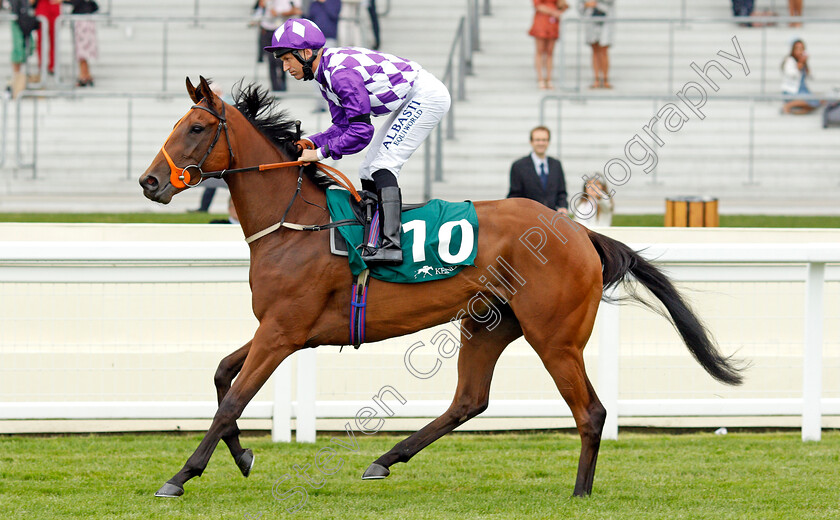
{"x":476,"y":360}
{"x":566,"y":368}
{"x":265,"y":354}
{"x":227,"y":370}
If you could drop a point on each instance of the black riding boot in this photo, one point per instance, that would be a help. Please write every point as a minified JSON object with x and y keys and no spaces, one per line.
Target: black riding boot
{"x":390,"y":207}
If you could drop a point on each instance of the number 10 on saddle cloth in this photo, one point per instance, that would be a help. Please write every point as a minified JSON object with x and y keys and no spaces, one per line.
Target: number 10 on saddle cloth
{"x":438,"y":239}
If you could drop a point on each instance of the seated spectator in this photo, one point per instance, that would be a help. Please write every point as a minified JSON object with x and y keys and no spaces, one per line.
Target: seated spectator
{"x":794,"y":72}
{"x":594,"y":206}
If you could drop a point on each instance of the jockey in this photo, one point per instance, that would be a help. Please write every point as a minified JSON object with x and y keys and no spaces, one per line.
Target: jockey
{"x":357,"y":84}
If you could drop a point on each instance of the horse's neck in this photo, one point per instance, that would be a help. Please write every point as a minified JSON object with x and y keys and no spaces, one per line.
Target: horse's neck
{"x":262,"y":198}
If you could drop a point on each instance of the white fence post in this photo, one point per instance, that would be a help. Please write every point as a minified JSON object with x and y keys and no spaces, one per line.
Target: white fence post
{"x":305,"y":410}
{"x":608,"y":351}
{"x":281,"y":419}
{"x":812,"y":354}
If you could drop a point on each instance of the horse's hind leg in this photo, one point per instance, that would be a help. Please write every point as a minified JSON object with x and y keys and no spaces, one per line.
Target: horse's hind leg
{"x":476,"y":360}
{"x":227,"y":370}
{"x":565,"y":364}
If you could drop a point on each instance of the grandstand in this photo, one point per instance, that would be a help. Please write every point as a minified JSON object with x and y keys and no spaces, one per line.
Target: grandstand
{"x":91,"y":149}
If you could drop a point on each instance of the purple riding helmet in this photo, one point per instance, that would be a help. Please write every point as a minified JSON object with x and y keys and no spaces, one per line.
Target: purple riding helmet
{"x":295,"y":35}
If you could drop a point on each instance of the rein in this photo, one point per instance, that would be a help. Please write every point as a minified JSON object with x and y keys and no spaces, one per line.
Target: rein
{"x":180,"y":177}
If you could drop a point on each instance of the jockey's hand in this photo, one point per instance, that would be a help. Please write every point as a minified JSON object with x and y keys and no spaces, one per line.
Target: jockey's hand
{"x":305,"y":144}
{"x":309,"y":156}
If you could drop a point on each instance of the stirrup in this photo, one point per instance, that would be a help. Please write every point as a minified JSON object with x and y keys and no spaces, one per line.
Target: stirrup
{"x":382,"y":256}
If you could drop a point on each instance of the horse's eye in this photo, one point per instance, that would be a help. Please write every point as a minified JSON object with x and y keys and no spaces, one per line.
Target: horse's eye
{"x":196,"y":129}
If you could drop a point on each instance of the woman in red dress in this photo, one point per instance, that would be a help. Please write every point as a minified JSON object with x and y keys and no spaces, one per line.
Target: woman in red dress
{"x":546,"y":30}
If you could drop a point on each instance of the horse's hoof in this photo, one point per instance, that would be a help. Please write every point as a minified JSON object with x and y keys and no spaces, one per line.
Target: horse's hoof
{"x":170,"y":490}
{"x":245,"y":461}
{"x":376,"y":472}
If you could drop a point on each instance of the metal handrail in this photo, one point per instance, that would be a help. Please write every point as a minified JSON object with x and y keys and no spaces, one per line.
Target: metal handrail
{"x":163,"y":21}
{"x":751,"y":99}
{"x":387,"y":9}
{"x":82,"y":94}
{"x":4,"y":129}
{"x":65,"y":20}
{"x":466,"y":41}
{"x":36,"y":96}
{"x":672,"y":23}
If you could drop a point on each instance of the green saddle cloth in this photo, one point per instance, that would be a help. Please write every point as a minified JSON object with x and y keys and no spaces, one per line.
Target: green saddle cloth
{"x":437,"y":239}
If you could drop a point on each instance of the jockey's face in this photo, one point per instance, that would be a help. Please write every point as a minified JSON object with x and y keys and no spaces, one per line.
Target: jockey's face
{"x":292,"y":65}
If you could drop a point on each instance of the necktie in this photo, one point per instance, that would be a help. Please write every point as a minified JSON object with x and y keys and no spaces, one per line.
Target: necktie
{"x":543,"y":175}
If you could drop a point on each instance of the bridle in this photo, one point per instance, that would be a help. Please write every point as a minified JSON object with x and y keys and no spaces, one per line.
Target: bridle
{"x":180,"y":177}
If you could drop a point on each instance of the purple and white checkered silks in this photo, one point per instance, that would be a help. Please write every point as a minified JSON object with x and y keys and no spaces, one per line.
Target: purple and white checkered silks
{"x":388,"y":79}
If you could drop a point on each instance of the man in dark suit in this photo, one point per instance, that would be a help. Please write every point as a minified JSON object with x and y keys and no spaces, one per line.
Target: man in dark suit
{"x":539,"y":177}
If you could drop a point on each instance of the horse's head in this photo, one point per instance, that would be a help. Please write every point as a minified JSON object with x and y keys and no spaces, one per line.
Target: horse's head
{"x":191,"y":147}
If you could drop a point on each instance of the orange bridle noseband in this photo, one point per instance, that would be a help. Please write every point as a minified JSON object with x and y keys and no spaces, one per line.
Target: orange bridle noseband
{"x":180,"y":177}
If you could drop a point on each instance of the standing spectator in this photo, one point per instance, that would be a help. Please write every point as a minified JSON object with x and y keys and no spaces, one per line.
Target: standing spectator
{"x":546,"y":30}
{"x":374,"y":24}
{"x":743,"y":7}
{"x":84,"y":34}
{"x":599,"y":35}
{"x":594,"y":206}
{"x":795,"y":8}
{"x":324,"y":13}
{"x":539,"y":177}
{"x":272,"y":14}
{"x":794,"y":72}
{"x":50,"y":9}
{"x":22,"y":29}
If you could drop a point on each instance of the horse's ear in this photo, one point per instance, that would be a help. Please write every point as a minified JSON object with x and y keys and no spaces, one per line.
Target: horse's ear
{"x":194,"y":94}
{"x":205,"y":91}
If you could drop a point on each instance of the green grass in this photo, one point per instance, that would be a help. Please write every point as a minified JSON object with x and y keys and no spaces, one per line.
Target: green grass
{"x":745,"y":221}
{"x":462,"y":476}
{"x":758,"y":221}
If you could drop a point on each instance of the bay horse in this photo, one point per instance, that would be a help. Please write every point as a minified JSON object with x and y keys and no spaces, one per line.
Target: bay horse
{"x":556,"y":272}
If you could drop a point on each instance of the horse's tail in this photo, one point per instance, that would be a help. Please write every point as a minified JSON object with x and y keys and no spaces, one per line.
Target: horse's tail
{"x":619,"y":260}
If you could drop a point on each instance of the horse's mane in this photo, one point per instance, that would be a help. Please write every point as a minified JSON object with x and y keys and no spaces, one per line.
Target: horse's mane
{"x":259,"y":107}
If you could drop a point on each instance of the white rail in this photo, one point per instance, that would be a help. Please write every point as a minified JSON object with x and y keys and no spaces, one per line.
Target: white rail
{"x":139,"y":261}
